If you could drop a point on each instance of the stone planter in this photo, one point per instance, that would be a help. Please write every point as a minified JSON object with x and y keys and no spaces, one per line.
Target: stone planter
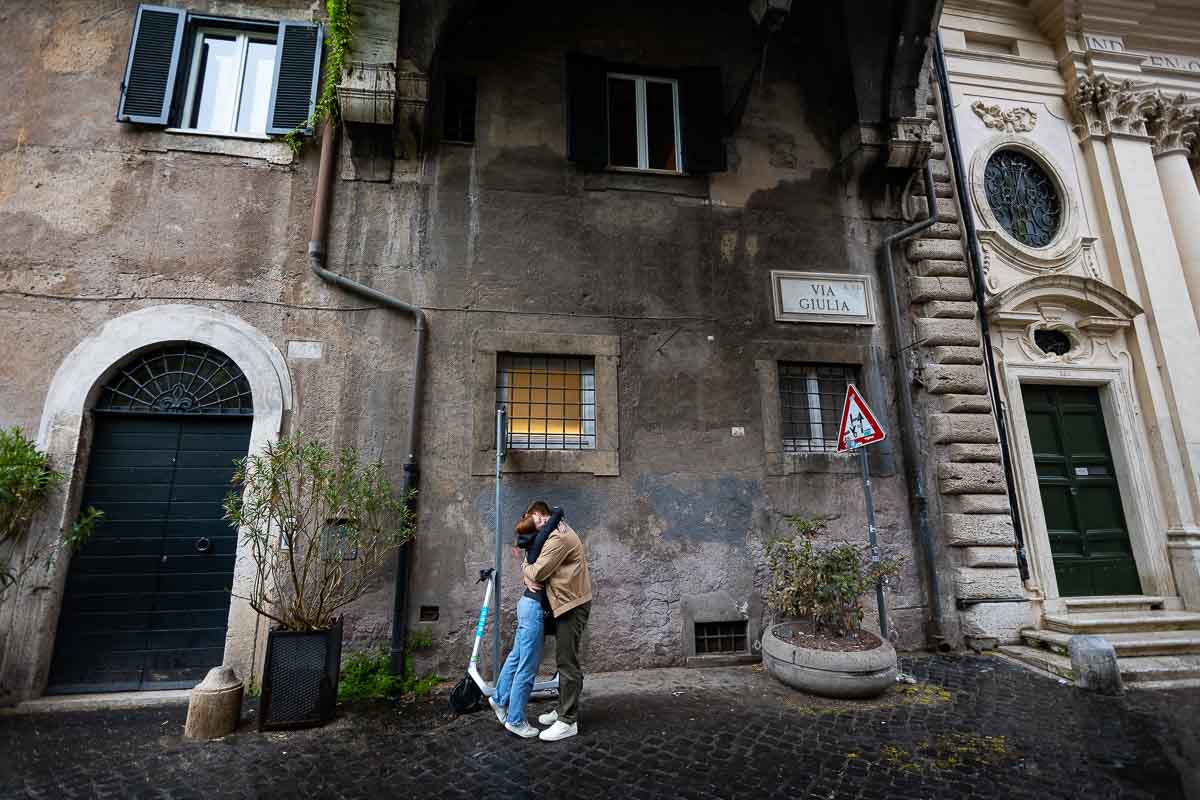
{"x":829,"y":673}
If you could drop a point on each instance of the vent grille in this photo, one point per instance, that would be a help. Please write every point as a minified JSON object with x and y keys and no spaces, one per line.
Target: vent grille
{"x":713,"y":638}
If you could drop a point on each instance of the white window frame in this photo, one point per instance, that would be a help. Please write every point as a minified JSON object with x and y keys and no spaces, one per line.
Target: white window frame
{"x":587,"y":435}
{"x":643,"y":147}
{"x":242,"y":38}
{"x":817,"y":442}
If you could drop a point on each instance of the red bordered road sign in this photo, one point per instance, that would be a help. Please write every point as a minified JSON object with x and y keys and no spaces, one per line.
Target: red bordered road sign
{"x":859,"y":426}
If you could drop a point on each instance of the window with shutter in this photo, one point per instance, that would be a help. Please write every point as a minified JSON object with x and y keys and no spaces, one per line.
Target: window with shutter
{"x":220,"y":75}
{"x":671,"y":122}
{"x":151,"y":66}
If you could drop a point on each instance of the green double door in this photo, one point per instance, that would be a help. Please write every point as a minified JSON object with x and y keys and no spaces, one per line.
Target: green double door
{"x":1080,"y":497}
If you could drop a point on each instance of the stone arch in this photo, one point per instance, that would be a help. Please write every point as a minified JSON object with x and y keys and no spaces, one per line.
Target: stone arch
{"x":64,"y":433}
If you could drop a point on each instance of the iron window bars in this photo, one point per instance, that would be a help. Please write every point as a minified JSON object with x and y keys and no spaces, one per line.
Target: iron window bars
{"x":550,"y":401}
{"x":183,"y":378}
{"x":1023,"y":197}
{"x":721,"y":637}
{"x":811,"y":398}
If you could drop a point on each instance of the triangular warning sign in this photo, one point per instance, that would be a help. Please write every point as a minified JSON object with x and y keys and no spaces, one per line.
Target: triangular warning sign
{"x":859,"y":426}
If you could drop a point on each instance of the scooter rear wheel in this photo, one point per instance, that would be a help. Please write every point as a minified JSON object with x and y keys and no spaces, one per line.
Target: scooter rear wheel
{"x":465,"y":697}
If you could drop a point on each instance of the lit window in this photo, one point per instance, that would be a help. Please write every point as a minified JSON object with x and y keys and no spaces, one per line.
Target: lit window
{"x":229,"y":87}
{"x":550,"y":401}
{"x":811,"y":399}
{"x":643,"y":123}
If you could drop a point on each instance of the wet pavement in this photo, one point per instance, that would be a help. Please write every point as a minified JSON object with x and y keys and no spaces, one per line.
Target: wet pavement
{"x":970,"y":727}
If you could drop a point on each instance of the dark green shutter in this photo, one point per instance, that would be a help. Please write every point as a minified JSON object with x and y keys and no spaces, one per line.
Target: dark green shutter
{"x":587,"y":111}
{"x":702,"y":120}
{"x":152,"y":64}
{"x":297,"y":69}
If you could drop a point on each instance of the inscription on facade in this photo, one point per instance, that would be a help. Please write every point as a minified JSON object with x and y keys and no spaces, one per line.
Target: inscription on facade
{"x":822,"y":297}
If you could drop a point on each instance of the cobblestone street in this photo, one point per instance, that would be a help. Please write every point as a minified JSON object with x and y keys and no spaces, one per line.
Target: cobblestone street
{"x":970,"y":727}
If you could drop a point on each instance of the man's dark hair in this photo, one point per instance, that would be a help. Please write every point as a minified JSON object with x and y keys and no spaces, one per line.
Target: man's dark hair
{"x":538,"y":507}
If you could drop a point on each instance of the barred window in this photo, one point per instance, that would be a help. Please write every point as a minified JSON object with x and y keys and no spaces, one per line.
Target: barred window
{"x":811,"y":396}
{"x":550,"y":401}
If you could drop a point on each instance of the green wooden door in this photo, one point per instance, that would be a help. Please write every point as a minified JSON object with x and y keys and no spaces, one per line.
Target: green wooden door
{"x":1080,"y":497}
{"x":146,"y":603}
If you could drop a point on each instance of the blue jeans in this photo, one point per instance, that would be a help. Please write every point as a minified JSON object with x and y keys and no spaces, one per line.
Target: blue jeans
{"x":521,"y":666}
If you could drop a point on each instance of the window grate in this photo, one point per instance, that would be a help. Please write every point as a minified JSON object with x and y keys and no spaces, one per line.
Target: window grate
{"x":184,"y":378}
{"x":721,"y":637}
{"x":459,"y":118}
{"x":811,"y":398}
{"x":550,"y":401}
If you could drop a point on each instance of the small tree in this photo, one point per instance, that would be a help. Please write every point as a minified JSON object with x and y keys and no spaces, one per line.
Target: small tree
{"x":827,"y":586}
{"x":319,"y":525}
{"x":26,"y":480}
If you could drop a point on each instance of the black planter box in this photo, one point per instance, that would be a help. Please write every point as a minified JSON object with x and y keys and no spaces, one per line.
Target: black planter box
{"x":300,"y":678}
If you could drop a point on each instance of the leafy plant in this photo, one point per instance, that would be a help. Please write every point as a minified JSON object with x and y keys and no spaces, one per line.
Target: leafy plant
{"x":367,"y":675}
{"x":338,"y":40}
{"x":319,"y":525}
{"x":26,"y":480}
{"x":825,"y":585}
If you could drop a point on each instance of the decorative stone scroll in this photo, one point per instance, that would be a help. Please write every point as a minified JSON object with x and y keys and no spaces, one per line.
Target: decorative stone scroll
{"x":1014,"y":120}
{"x":1174,"y":124}
{"x":1103,"y":107}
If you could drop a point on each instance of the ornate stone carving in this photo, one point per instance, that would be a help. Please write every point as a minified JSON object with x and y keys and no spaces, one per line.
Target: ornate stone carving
{"x":1015,"y":120}
{"x":1174,"y":124}
{"x":910,"y":143}
{"x":1102,"y":107}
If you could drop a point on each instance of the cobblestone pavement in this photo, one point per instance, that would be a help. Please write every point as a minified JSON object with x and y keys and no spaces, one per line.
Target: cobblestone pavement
{"x":971,"y":727}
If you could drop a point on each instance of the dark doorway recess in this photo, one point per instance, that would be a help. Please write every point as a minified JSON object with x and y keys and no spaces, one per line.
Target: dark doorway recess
{"x":1089,"y":540}
{"x":146,"y":603}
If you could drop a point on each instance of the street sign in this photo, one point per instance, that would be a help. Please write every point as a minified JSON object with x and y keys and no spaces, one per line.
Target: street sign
{"x":859,"y":426}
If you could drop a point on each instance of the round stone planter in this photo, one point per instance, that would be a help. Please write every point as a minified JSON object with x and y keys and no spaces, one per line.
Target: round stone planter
{"x":829,"y":673}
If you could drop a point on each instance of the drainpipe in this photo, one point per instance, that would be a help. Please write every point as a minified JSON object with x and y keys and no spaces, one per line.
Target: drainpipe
{"x":968,"y":218}
{"x":316,"y":259}
{"x":904,"y":382}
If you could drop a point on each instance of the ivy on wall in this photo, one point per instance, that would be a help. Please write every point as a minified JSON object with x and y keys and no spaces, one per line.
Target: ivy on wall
{"x":338,"y":41}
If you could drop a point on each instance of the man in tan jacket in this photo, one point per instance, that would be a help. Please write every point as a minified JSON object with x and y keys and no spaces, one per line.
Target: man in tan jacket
{"x":563,"y":571}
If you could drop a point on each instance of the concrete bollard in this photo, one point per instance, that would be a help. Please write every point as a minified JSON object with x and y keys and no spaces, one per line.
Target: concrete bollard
{"x":215,"y":706}
{"x":1094,"y":663}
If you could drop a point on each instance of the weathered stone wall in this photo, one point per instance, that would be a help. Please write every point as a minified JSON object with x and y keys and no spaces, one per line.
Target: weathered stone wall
{"x":506,"y":235}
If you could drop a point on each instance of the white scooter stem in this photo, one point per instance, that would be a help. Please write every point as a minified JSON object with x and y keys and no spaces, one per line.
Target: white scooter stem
{"x":473,"y":670}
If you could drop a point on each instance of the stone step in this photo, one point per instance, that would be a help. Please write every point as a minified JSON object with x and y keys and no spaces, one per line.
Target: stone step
{"x":1134,"y":671}
{"x":1122,"y":621}
{"x":1119,"y":602}
{"x":1153,"y":643}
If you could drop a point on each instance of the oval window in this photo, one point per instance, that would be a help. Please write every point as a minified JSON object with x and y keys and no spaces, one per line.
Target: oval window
{"x":1023,"y":197}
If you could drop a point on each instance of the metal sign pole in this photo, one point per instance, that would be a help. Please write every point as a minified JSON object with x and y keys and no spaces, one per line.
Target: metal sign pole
{"x":500,"y":453}
{"x":866,"y":474}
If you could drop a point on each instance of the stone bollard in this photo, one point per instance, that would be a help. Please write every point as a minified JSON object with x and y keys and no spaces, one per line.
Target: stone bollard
{"x":1094,"y":663}
{"x":215,"y":706}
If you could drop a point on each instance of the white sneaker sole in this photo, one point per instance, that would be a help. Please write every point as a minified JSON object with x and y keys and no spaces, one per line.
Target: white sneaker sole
{"x":567,"y":735}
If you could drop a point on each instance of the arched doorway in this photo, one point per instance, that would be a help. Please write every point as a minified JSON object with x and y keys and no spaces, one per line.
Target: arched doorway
{"x":146,"y":602}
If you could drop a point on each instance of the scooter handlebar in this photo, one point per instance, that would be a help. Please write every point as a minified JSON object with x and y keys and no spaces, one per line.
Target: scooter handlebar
{"x":485,"y":575}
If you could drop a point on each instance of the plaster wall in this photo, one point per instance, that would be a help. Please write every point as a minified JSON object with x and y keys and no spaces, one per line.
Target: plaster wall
{"x":507,"y":235}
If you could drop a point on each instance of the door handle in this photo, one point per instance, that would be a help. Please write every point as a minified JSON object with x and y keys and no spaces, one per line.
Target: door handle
{"x":1074,"y":492}
{"x":203,"y":545}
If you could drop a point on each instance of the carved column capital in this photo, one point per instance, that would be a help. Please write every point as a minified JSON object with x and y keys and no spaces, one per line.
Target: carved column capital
{"x":1174,"y":124}
{"x":1103,"y":107}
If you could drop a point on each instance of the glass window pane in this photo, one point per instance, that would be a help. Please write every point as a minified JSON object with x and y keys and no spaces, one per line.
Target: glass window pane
{"x":660,"y":126}
{"x":256,"y":87}
{"x":622,"y":123}
{"x":216,"y":84}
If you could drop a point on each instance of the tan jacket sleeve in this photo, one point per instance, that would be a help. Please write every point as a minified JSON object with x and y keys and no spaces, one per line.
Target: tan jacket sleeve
{"x":553,"y":554}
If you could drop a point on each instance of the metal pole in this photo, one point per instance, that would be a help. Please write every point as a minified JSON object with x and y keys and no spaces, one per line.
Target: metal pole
{"x":499,"y":548}
{"x":866,"y":473}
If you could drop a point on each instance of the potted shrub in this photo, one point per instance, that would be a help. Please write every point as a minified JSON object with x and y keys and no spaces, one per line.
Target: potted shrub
{"x":319,"y":526}
{"x":823,"y":648}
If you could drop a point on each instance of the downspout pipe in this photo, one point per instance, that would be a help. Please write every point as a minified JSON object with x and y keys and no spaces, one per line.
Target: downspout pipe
{"x":904,"y":382}
{"x":316,"y":259}
{"x":968,"y":219}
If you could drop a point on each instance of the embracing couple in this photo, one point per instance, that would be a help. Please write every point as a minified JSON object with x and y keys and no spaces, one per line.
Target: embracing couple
{"x":557,"y":600}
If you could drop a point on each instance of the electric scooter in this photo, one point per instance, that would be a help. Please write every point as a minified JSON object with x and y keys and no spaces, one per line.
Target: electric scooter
{"x":467,"y":696}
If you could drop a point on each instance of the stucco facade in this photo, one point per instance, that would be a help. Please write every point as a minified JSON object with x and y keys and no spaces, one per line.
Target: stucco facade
{"x":123,"y":237}
{"x":1102,"y":97}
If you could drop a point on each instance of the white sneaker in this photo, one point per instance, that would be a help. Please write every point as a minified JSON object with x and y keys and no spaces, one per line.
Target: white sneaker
{"x":525,"y":731}
{"x":549,"y":718}
{"x":559,"y":730}
{"x":501,"y":711}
